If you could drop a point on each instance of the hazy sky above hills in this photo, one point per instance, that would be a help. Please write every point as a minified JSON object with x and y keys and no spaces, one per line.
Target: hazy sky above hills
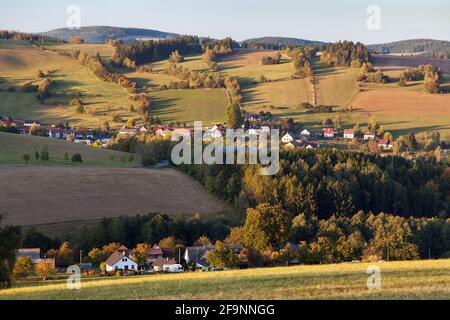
{"x":326,"y":20}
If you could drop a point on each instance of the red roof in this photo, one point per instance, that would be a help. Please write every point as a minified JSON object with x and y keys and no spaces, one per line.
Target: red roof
{"x":349,"y":132}
{"x":328,"y":131}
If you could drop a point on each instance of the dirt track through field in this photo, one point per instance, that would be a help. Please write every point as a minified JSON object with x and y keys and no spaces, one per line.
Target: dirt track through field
{"x":48,"y":195}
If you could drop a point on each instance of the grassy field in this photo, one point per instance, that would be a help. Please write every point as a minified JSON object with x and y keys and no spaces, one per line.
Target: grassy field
{"x":207,"y":105}
{"x":335,"y":86}
{"x":192,"y":62}
{"x":106,"y":51}
{"x":19,"y":63}
{"x":14,"y":146}
{"x":37,"y":195}
{"x":404,"y":109}
{"x":246,"y":66}
{"x":399,"y":280}
{"x":285,"y":96}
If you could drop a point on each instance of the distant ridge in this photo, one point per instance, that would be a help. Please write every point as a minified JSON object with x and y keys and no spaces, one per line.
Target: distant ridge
{"x":99,"y":34}
{"x":425,"y":47}
{"x":282,"y":42}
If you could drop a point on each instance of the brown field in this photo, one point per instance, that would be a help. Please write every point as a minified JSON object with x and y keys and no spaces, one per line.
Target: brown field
{"x":403,"y":102}
{"x":386,"y":60}
{"x":54,"y":195}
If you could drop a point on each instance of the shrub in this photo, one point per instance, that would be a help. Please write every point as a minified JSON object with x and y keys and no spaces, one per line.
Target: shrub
{"x":76,"y":158}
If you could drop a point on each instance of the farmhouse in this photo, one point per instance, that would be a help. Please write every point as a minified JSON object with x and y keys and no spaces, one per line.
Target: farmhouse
{"x":328,"y":133}
{"x":30,"y":123}
{"x":385,"y":144}
{"x":349,"y":134}
{"x":288,"y":137}
{"x":197,"y":255}
{"x":162,"y":131}
{"x":121,"y":260}
{"x":369,"y":136}
{"x":305,"y":133}
{"x":35,"y":255}
{"x":293,"y":145}
{"x":124,"y":131}
{"x":252,"y":117}
{"x":216,"y":132}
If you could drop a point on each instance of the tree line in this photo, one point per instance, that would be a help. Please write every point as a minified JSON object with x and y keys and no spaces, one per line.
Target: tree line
{"x":141,"y":52}
{"x":329,"y":182}
{"x":343,"y":53}
{"x":33,"y":38}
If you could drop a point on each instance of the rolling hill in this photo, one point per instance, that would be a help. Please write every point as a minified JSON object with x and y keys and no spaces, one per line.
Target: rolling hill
{"x":99,"y":34}
{"x":282,"y":42}
{"x":427,"y":47}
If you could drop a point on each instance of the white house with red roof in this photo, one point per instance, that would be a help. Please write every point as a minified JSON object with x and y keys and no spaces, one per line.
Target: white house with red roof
{"x":329,"y":133}
{"x":349,"y":134}
{"x":121,"y":260}
{"x":369,"y":136}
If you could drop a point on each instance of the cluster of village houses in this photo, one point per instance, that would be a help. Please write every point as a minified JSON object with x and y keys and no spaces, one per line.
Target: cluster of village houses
{"x":291,"y":141}
{"x":306,"y":139}
{"x":159,"y":260}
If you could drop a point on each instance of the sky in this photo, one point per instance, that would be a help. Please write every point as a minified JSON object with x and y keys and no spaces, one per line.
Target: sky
{"x":324,"y":20}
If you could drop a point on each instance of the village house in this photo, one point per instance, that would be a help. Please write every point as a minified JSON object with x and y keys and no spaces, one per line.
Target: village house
{"x":251,"y":117}
{"x":162,"y":131}
{"x":288,"y":137}
{"x":182,"y":133}
{"x":197,"y":255}
{"x":349,"y":134}
{"x":58,"y":133}
{"x":121,"y":260}
{"x":302,"y":144}
{"x":369,"y":136}
{"x":293,"y":145}
{"x":385,"y":144}
{"x":35,"y":255}
{"x":328,"y":133}
{"x":30,"y":123}
{"x":305,"y":133}
{"x":129,"y":132}
{"x":216,"y":132}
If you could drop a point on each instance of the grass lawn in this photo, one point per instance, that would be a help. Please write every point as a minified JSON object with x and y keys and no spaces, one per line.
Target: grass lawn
{"x":207,"y":105}
{"x":399,"y":280}
{"x":18,"y":64}
{"x":14,"y":146}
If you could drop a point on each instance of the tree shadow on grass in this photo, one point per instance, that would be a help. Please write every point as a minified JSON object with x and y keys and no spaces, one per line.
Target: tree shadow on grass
{"x":166,"y":109}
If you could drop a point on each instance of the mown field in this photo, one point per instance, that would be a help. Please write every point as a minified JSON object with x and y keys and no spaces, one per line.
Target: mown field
{"x":399,"y":280}
{"x":206,"y":105}
{"x":37,"y":195}
{"x":14,"y":146}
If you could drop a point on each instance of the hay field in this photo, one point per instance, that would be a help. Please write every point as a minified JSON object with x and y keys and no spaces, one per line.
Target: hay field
{"x":207,"y":105}
{"x":19,"y":63}
{"x":399,"y":280}
{"x":246,"y":66}
{"x":52,"y":195}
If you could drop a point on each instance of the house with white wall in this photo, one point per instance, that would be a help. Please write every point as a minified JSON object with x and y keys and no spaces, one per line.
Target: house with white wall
{"x":121,"y":260}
